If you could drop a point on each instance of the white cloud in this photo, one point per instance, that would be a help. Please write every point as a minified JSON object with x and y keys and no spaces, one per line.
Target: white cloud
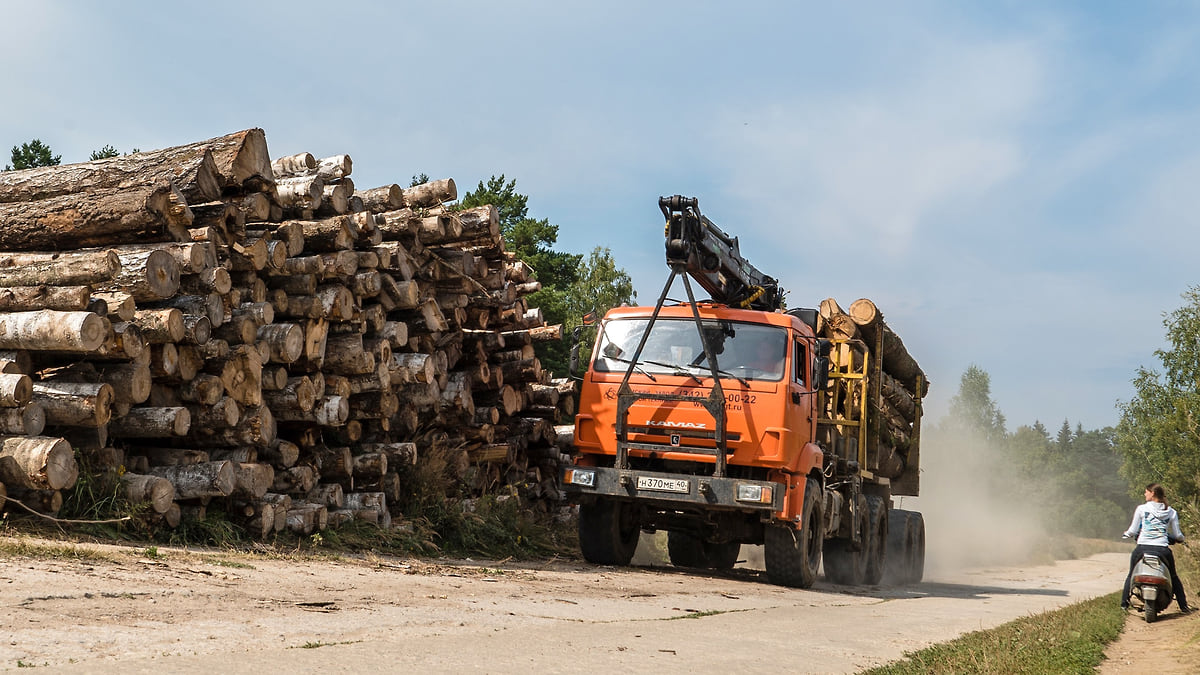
{"x":874,"y":165}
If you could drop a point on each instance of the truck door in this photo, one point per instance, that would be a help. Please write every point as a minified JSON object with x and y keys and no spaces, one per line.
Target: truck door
{"x":799,"y":417}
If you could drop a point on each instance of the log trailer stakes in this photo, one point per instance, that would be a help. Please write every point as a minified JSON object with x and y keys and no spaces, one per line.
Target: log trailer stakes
{"x":730,"y":421}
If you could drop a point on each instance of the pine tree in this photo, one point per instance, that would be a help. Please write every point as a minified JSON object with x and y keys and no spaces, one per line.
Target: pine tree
{"x":32,"y":154}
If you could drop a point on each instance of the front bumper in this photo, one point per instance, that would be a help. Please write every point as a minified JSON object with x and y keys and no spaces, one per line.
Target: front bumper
{"x":668,"y":490}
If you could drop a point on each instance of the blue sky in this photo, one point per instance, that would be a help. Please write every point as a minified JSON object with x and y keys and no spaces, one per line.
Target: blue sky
{"x":1014,"y":183}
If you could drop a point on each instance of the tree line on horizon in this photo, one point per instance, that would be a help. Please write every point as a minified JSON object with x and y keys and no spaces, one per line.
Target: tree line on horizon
{"x":1086,"y":482}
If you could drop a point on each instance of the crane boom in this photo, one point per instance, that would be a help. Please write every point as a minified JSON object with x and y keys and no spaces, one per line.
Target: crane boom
{"x":710,"y":256}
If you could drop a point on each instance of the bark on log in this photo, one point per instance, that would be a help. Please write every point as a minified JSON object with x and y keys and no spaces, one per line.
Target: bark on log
{"x":37,"y":463}
{"x":155,"y":490}
{"x":121,"y":305}
{"x":15,"y":390}
{"x":431,"y":194}
{"x":152,"y":423}
{"x":334,"y":168}
{"x":75,"y":404}
{"x":156,"y":212}
{"x":194,"y":481}
{"x":293,"y":165}
{"x":56,"y":269}
{"x":34,"y":298}
{"x":252,"y":480}
{"x":147,"y":276}
{"x":159,"y":326}
{"x":190,"y":167}
{"x":896,"y":359}
{"x":283,"y":455}
{"x":28,"y":420}
{"x":242,"y":160}
{"x":329,"y":411}
{"x":296,"y":480}
{"x":383,"y":198}
{"x":286,"y":341}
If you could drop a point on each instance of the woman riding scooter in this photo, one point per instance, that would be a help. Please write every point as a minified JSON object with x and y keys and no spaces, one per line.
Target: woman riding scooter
{"x":1156,"y":526}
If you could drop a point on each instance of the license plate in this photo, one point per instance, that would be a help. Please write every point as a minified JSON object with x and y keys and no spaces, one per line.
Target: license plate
{"x":681,"y":485}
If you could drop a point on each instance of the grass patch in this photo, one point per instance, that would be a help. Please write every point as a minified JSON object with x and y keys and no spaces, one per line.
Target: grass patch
{"x":225,"y":562}
{"x":1068,"y":640}
{"x":27,"y":549}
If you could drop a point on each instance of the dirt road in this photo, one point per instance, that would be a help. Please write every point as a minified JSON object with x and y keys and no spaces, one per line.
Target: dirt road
{"x":181,"y":611}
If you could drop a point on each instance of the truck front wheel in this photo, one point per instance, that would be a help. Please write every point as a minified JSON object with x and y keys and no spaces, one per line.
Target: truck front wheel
{"x":608,"y":532}
{"x":793,"y":557}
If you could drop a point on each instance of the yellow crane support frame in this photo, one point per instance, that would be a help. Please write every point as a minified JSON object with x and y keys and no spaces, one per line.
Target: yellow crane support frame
{"x":843,"y":402}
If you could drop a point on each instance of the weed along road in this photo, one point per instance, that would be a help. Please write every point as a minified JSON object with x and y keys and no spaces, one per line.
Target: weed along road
{"x":112,"y":609}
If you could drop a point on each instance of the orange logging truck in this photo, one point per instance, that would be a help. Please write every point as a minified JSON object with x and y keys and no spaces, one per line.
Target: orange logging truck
{"x":730,"y":421}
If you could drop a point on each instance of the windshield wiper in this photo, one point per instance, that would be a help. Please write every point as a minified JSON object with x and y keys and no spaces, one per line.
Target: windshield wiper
{"x":676,"y":368}
{"x":635,"y":366}
{"x":723,"y":373}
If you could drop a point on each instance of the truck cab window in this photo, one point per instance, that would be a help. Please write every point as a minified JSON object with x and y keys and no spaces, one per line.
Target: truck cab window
{"x":799,"y":361}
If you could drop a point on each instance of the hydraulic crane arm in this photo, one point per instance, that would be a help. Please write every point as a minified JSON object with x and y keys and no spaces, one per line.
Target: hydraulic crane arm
{"x":711,"y":257}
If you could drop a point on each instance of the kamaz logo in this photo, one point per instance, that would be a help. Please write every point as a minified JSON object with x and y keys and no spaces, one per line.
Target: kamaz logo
{"x":676,"y":425}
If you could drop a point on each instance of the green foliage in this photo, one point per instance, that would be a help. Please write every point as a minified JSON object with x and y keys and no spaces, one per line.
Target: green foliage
{"x":214,"y":529}
{"x":571,"y":284}
{"x":600,"y":287}
{"x":32,"y":154}
{"x":1071,"y":483}
{"x":1067,"y":640}
{"x":419,"y":179}
{"x":972,"y":408}
{"x":105,"y":152}
{"x":97,"y":495}
{"x":1159,"y":431}
{"x":511,"y":205}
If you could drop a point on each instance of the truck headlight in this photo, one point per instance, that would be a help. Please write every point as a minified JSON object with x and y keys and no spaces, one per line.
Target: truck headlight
{"x":581,"y":477}
{"x":759,"y":494}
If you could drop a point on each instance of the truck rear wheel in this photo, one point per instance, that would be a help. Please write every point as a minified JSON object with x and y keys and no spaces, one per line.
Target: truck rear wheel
{"x":608,"y":532}
{"x":686,"y":550}
{"x":793,"y":557}
{"x":905,"y":547}
{"x":877,"y":535}
{"x":723,"y":556}
{"x":917,"y":566}
{"x":899,"y":543}
{"x":846,"y":563}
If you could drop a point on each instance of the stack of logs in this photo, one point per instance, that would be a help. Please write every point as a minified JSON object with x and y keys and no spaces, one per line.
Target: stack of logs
{"x":901,"y":385}
{"x":220,"y":329}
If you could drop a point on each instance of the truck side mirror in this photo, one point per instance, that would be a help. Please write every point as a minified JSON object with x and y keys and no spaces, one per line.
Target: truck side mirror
{"x":820,"y":372}
{"x":824,"y":346}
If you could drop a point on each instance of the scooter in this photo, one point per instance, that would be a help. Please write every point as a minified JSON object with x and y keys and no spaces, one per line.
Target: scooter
{"x":1151,"y":584}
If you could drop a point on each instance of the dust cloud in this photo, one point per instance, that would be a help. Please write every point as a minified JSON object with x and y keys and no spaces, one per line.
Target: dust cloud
{"x":975,"y":513}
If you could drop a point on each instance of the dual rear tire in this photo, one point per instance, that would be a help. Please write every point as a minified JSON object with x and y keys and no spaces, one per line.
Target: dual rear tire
{"x":906,"y":547}
{"x":845,"y":562}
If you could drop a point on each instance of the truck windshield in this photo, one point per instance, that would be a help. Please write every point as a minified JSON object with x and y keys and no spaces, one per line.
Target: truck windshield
{"x":745,"y":350}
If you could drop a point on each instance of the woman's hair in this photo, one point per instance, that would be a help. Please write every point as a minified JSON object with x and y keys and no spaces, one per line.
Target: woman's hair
{"x":1155,"y":489}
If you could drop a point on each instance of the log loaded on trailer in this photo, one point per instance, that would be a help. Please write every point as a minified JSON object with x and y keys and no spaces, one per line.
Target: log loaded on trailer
{"x":730,"y":421}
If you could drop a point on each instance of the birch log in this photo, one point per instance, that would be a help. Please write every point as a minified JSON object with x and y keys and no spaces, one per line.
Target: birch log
{"x":193,"y":481}
{"x":37,"y":462}
{"x":58,"y":269}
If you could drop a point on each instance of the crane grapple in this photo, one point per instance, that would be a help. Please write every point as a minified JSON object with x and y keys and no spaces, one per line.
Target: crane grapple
{"x":697,"y":247}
